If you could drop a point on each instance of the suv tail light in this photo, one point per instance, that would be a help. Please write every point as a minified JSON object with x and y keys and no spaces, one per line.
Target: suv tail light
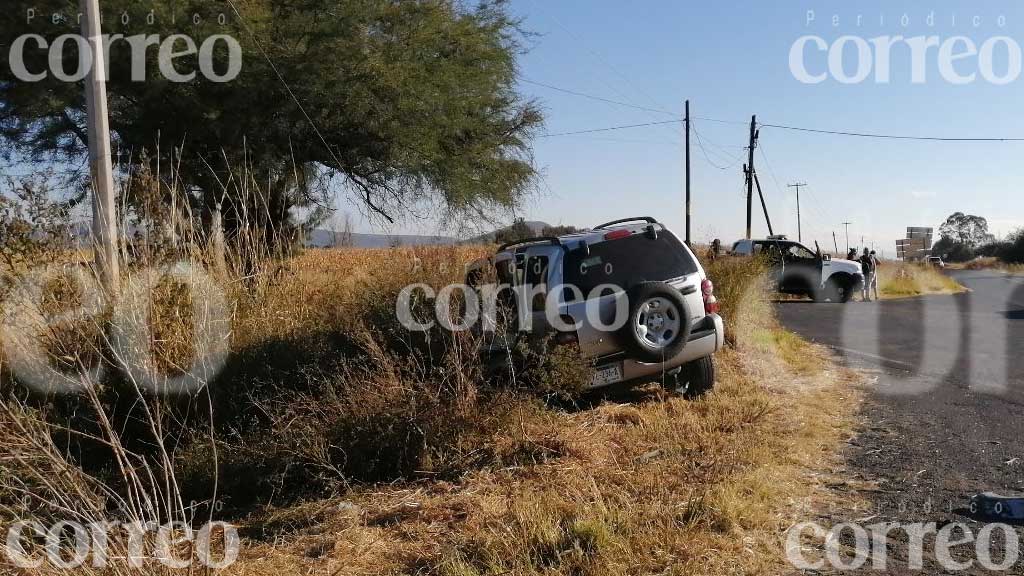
{"x":707,"y":289}
{"x":618,"y":234}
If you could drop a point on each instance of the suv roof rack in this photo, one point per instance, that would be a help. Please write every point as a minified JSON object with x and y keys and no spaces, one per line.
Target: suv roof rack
{"x":647,"y":219}
{"x":539,"y":239}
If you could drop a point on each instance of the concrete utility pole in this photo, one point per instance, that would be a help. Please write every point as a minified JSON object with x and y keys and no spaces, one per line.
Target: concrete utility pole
{"x":688,"y":209}
{"x":799,"y":232}
{"x":750,"y":170}
{"x":835,"y":242}
{"x":847,"y":225}
{"x":104,"y":209}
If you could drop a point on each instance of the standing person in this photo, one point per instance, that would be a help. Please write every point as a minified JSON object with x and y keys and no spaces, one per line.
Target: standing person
{"x":874,"y":275}
{"x":714,"y":250}
{"x":870,"y":265}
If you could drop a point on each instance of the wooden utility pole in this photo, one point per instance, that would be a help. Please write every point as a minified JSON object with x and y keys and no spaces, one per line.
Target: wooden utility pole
{"x":688,"y":208}
{"x":836,"y":242}
{"x":750,"y":169}
{"x":799,"y":232}
{"x":104,"y":209}
{"x":764,"y":206}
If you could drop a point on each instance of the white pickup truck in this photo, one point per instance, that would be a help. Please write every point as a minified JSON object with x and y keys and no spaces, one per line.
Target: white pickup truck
{"x":797,"y":270}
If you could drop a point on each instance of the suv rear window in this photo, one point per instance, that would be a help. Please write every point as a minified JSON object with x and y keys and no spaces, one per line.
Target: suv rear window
{"x":629,"y":261}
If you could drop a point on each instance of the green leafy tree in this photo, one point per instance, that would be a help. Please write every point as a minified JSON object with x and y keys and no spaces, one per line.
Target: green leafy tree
{"x":396,"y":103}
{"x":971,"y":231}
{"x":33,"y":226}
{"x":952,"y":250}
{"x":1012,"y":251}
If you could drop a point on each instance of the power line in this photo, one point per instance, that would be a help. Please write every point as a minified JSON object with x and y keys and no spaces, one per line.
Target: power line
{"x":610,"y":128}
{"x":720,"y":121}
{"x":705,"y":152}
{"x":579,"y":42}
{"x":723,"y":149}
{"x":889,"y":136}
{"x":700,"y":142}
{"x":791,"y":128}
{"x":597,"y":98}
{"x":664,"y":142}
{"x":819,"y":208}
{"x":771,"y":171}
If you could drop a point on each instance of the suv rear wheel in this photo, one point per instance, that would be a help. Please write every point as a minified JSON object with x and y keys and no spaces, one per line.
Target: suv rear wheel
{"x":659,"y":322}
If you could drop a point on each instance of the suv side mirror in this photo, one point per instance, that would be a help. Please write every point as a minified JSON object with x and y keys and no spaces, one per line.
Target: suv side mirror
{"x":583,"y":249}
{"x":826,"y":257}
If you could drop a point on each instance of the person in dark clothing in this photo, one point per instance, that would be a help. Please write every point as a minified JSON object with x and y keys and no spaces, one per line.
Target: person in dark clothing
{"x":869,"y":262}
{"x":714,"y":250}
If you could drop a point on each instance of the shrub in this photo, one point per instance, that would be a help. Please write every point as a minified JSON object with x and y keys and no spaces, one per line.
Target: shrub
{"x":1012,"y":252}
{"x":738,"y":282}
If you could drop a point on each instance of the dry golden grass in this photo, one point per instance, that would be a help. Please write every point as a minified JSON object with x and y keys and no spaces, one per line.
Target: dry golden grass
{"x":989,"y":263}
{"x":903,"y":279}
{"x":638,"y":484}
{"x":501,"y":482}
{"x":327,"y":289}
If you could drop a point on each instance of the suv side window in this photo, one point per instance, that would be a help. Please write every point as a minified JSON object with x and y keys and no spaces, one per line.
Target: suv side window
{"x":770,"y":250}
{"x":536,"y":274}
{"x":506,"y":271}
{"x":536,"y":270}
{"x":798,"y":252}
{"x":628,"y":261}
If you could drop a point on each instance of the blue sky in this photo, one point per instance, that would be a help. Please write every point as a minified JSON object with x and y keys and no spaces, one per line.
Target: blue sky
{"x":731,"y":59}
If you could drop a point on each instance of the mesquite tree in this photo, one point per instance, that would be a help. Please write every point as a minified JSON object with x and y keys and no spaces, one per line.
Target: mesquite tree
{"x":397,"y":103}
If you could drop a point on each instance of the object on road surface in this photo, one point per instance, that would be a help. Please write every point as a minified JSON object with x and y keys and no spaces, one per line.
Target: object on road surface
{"x":635,"y":266}
{"x":995,"y":506}
{"x":795,"y":269}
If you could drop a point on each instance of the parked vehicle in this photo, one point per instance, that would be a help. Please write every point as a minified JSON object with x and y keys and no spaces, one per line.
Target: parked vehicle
{"x":672,"y":327}
{"x":797,"y":270}
{"x":937,"y":262}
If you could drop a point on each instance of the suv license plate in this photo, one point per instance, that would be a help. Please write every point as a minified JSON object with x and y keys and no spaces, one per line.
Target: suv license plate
{"x":608,"y":374}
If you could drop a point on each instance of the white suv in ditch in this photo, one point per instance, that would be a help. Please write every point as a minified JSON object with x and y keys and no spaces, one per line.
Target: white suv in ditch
{"x":631,"y":295}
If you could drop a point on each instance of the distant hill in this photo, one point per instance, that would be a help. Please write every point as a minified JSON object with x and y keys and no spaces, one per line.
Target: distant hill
{"x":536,"y":226}
{"x":319,"y":238}
{"x":326,"y":239}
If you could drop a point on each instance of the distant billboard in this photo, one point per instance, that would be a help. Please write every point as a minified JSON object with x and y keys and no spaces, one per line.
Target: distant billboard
{"x":913,"y":232}
{"x":917,"y":245}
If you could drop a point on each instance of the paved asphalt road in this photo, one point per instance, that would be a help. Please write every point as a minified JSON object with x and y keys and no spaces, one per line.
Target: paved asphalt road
{"x":945,"y":415}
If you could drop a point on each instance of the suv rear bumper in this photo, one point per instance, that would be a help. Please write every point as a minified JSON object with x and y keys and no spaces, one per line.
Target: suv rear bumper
{"x":706,"y":338}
